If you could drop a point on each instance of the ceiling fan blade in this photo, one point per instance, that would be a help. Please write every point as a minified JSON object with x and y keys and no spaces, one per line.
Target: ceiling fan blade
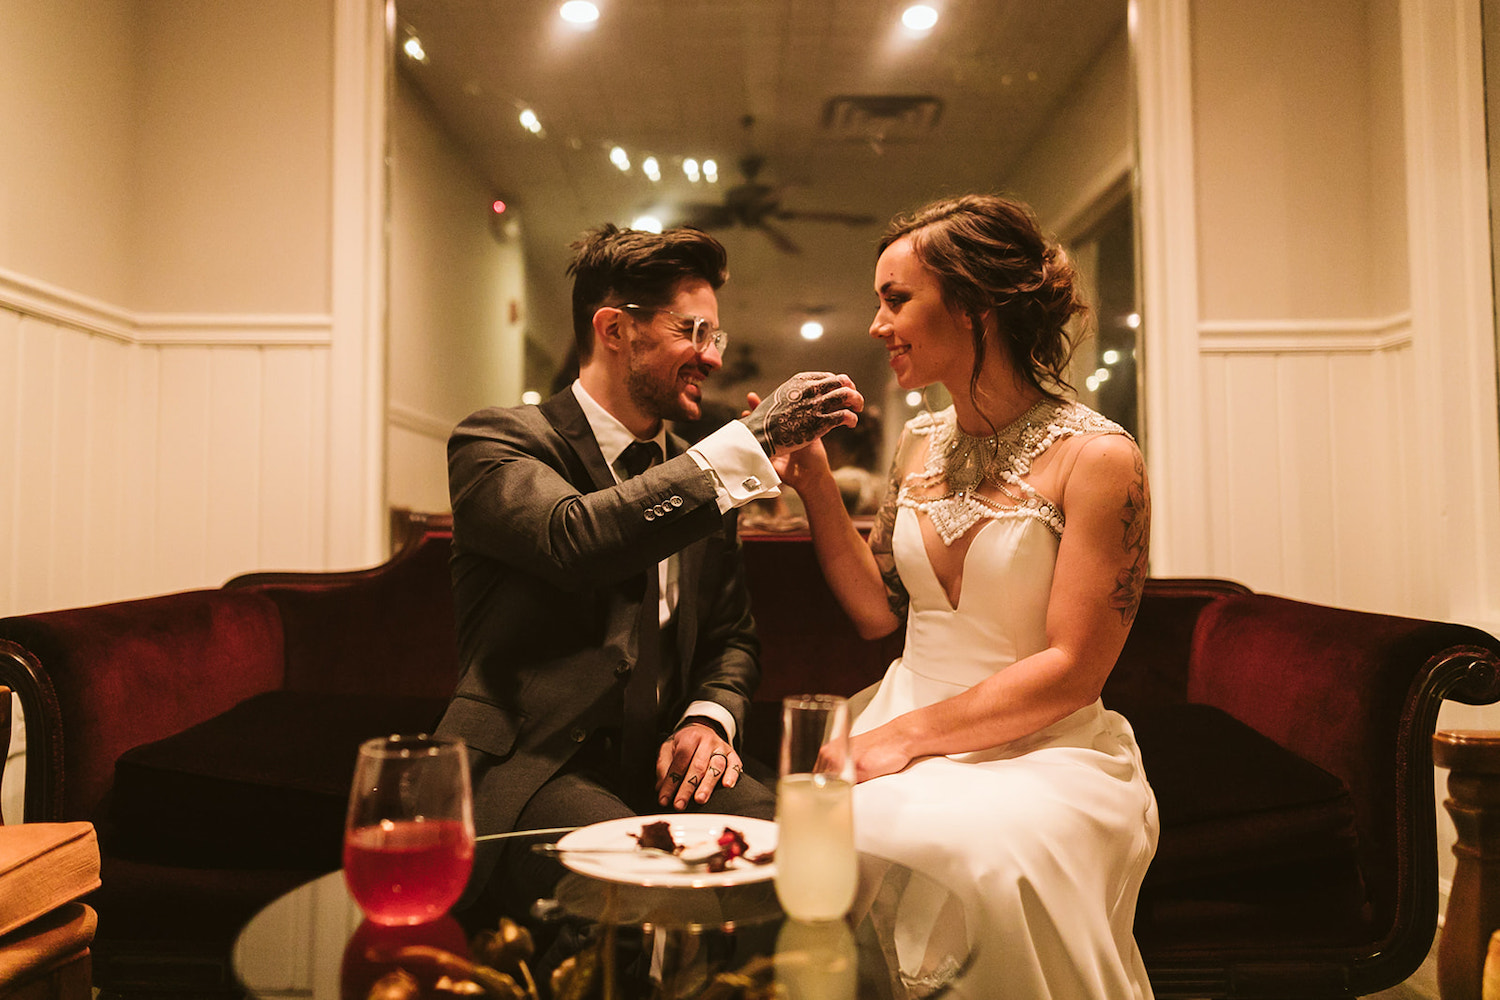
{"x":781,"y":241}
{"x":848,"y":218}
{"x":708,"y":216}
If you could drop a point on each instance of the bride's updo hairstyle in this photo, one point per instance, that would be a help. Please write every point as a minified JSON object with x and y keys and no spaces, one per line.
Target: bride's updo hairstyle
{"x":989,"y":254}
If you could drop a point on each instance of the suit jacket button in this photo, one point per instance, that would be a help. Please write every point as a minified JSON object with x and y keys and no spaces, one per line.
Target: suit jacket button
{"x":675,"y":501}
{"x":650,"y":514}
{"x":622,"y":668}
{"x":579,"y":734}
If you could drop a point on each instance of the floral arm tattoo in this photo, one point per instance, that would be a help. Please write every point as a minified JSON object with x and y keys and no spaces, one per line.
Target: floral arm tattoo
{"x":880,"y":542}
{"x":1135,"y":517}
{"x":802,"y":409}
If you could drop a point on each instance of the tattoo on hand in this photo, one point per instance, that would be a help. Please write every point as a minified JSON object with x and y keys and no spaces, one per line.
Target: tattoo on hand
{"x":1135,"y":516}
{"x":802,"y":409}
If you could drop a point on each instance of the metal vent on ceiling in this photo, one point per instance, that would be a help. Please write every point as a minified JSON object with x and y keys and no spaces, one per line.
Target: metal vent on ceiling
{"x":881,"y":117}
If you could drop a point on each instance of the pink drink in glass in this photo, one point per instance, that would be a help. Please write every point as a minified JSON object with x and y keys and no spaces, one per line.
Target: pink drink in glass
{"x":405,"y":871}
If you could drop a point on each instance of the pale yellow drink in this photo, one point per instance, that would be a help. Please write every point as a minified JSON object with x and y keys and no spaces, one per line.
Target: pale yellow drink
{"x":816,"y":871}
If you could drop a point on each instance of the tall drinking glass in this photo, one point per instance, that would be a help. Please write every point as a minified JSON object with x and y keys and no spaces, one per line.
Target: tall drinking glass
{"x":816,"y":870}
{"x":409,"y":837}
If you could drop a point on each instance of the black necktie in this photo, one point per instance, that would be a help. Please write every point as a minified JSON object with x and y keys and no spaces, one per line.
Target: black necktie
{"x":638,"y":735}
{"x":639,"y":456}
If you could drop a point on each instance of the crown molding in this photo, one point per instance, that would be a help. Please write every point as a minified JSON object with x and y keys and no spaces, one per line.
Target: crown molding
{"x":1305,"y":336}
{"x":32,"y":297}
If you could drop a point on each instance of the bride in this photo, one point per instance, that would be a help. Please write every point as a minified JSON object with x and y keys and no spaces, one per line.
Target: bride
{"x":1012,"y":541}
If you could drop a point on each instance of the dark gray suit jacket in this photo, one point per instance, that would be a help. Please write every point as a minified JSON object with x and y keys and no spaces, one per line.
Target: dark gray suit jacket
{"x":550,"y":557}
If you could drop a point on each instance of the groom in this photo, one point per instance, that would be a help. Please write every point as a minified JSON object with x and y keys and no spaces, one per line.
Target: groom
{"x":608,"y":653}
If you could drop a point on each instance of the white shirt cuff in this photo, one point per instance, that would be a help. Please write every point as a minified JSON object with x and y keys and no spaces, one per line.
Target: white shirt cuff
{"x":741,"y":470}
{"x":714,"y":711}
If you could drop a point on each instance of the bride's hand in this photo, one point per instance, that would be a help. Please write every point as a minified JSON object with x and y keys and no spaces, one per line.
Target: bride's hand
{"x":874,"y":756}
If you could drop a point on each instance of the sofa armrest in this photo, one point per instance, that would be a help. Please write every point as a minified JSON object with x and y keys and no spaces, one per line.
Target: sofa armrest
{"x":1357,"y":694}
{"x":128,"y":673}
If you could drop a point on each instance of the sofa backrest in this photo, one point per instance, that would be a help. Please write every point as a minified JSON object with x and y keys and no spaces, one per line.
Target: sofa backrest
{"x":388,"y":629}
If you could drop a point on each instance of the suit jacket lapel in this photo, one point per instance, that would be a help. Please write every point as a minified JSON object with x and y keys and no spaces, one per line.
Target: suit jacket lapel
{"x":566,"y":417}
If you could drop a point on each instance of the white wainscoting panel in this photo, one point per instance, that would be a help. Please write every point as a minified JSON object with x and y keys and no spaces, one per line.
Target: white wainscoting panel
{"x":1309,"y":485}
{"x":132,"y":469}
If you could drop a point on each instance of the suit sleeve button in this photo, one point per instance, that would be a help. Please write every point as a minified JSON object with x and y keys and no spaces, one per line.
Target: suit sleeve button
{"x":675,"y":501}
{"x":622,"y":668}
{"x":579,"y":734}
{"x":650,"y":514}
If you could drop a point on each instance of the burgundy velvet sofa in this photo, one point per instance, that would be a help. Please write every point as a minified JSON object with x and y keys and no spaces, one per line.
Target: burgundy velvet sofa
{"x":210,"y":736}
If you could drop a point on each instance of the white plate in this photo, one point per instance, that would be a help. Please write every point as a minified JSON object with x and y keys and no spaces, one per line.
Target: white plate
{"x":654,"y":870}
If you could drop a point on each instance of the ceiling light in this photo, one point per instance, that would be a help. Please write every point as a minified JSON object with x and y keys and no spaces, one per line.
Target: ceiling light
{"x":690,"y":167}
{"x":530,"y":122}
{"x":531,"y":397}
{"x":914,"y":398}
{"x":1092,"y":383}
{"x":711,"y":171}
{"x":1102,"y":374}
{"x":413,"y":48}
{"x":620,"y":158}
{"x":1133,"y":321}
{"x":651,"y":168}
{"x":646,"y":223}
{"x":579,"y":12}
{"x":919,"y":17}
{"x":812,"y":330}
{"x":1110,"y":356}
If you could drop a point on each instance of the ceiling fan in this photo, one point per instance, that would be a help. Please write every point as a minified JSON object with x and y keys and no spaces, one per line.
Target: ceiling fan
{"x":756,"y":205}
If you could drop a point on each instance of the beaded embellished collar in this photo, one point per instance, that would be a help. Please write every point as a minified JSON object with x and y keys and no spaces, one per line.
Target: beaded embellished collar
{"x":962,"y":463}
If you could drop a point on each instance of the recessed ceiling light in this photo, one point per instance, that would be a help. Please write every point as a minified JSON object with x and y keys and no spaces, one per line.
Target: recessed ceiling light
{"x":579,"y":12}
{"x":530,"y":122}
{"x":413,"y":48}
{"x":690,"y":168}
{"x":531,"y":397}
{"x":914,"y":398}
{"x":812,"y":330}
{"x":651,"y":168}
{"x":620,"y":158}
{"x":919,"y":17}
{"x":646,"y":223}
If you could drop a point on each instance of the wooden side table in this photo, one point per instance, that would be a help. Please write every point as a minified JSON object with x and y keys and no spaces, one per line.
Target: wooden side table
{"x":1472,"y":758}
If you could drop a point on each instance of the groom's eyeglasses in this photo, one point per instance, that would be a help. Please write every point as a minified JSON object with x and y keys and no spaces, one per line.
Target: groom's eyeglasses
{"x":695,"y":328}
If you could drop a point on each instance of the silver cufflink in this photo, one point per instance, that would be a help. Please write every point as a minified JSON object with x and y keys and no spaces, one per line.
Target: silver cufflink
{"x":752,"y":483}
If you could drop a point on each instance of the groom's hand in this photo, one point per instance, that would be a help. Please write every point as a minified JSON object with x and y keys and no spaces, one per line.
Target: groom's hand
{"x":803,"y":409}
{"x":692,"y":763}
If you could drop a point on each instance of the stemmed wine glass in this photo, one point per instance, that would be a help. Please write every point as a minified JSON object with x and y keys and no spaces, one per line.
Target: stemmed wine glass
{"x":409,"y":836}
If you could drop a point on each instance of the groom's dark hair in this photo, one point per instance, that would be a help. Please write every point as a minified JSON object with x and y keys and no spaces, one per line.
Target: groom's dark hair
{"x":612,"y":266}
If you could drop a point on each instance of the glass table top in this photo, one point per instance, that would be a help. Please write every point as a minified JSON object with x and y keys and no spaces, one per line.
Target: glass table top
{"x":904,"y":938}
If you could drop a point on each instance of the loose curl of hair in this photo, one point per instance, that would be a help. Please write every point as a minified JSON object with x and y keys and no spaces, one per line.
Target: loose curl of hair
{"x":612,"y":266}
{"x":990,"y":256}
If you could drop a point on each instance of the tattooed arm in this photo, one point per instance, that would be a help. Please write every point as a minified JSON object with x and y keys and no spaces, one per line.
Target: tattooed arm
{"x":1095,"y":592}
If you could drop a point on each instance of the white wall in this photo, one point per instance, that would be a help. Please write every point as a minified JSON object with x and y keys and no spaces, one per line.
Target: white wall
{"x":457,"y":302}
{"x":172,"y":339}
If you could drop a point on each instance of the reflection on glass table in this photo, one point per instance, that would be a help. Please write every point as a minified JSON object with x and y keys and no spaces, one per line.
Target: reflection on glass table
{"x":904,"y":939}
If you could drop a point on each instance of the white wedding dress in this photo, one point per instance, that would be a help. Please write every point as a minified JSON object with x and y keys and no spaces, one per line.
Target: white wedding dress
{"x":1045,"y":839}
